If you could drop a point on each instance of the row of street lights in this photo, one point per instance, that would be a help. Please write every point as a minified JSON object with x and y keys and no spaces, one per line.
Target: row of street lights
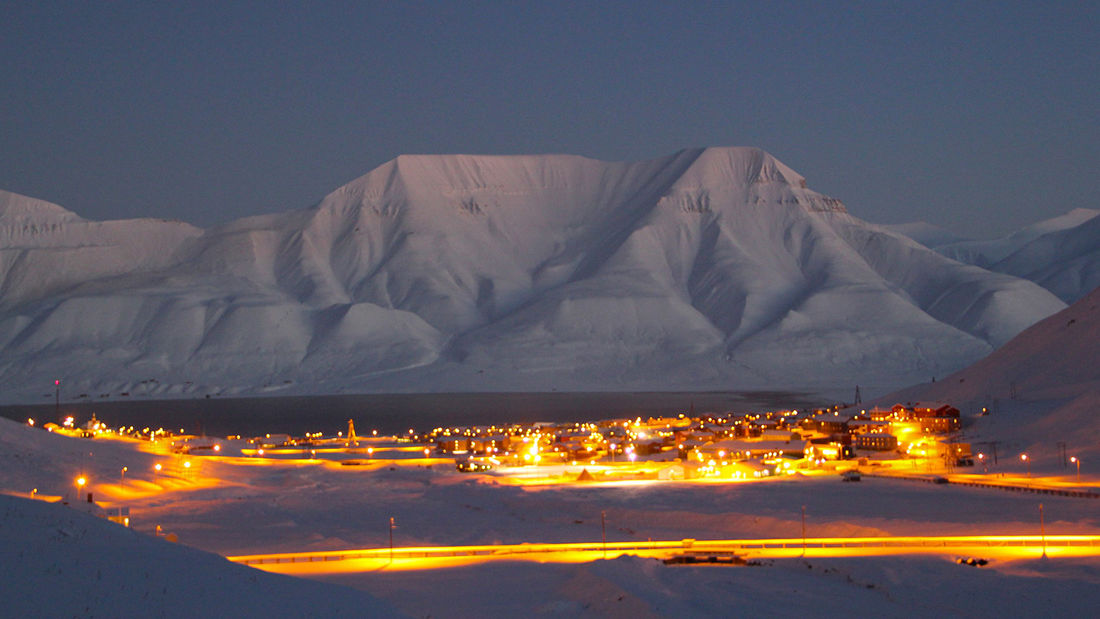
{"x":82,"y":480}
{"x":1074,"y":459}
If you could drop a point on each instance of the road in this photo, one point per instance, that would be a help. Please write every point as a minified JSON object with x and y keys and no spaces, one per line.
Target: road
{"x":432,"y":557}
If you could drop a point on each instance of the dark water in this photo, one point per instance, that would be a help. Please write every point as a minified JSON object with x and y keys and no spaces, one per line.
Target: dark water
{"x":397,"y":413}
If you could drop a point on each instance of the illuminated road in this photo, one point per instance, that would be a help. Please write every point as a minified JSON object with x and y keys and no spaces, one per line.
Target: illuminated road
{"x":432,"y":557}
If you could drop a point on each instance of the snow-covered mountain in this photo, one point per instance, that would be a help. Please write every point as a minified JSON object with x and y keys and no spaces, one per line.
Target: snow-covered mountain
{"x":1060,"y":254}
{"x":709,"y":268}
{"x":987,"y":253}
{"x":1065,"y":262}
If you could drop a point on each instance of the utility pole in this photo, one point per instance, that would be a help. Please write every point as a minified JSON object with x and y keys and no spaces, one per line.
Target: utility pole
{"x":603,"y":530}
{"x":391,"y":539}
{"x":57,"y":399}
{"x":1062,"y":452}
{"x":803,"y":530}
{"x":1042,"y":530}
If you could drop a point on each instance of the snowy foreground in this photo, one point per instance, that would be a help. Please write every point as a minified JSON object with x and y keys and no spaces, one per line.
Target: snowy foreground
{"x":58,"y":561}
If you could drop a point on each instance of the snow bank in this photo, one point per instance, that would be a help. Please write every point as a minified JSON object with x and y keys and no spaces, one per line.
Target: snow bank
{"x":57,"y":561}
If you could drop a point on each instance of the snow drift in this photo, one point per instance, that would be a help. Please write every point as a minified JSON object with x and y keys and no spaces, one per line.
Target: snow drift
{"x":709,"y":268}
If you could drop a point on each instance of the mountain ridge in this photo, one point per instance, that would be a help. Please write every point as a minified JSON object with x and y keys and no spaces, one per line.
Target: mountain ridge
{"x":1061,"y":254}
{"x":708,"y":268}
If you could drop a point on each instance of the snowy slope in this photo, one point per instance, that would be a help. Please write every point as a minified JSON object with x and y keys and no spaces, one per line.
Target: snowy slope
{"x":57,"y":561}
{"x":1055,"y":358}
{"x":711,"y":268}
{"x":1060,"y":254}
{"x":1065,"y":262}
{"x":986,"y":253}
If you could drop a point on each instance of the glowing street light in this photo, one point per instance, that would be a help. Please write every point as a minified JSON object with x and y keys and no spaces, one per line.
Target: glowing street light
{"x":1028,"y":461}
{"x":122,"y":477}
{"x":80,"y":483}
{"x":1077,"y":461}
{"x":156,"y":471}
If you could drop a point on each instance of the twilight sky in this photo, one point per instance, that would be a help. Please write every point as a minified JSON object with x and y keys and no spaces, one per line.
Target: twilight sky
{"x":977,"y":116}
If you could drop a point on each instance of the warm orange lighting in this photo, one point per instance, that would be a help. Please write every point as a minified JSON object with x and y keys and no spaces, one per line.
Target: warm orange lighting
{"x":157,"y":467}
{"x":30,"y":422}
{"x":81,"y":481}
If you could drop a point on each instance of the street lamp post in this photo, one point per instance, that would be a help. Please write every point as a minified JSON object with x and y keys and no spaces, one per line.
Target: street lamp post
{"x":80,"y":483}
{"x":122,"y":477}
{"x":1028,"y":461}
{"x":1077,"y":461}
{"x":391,"y":539}
{"x":1042,"y":530}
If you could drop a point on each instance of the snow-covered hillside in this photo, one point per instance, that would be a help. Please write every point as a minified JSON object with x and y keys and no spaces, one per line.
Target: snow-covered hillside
{"x":709,"y":268}
{"x":986,"y":253}
{"x":1055,"y":358}
{"x":1042,"y":388}
{"x":1065,"y":262}
{"x":1060,"y":254}
{"x":58,"y":561}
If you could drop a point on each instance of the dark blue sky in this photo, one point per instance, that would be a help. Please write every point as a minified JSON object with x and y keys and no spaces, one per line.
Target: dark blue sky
{"x":978,"y":116}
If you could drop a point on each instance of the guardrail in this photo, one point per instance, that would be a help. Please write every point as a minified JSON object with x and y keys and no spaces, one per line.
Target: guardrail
{"x":1078,"y":494}
{"x":692,"y":546}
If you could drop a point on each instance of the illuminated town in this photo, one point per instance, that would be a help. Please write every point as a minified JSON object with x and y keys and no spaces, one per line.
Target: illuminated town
{"x":916,"y":441}
{"x":913,"y":442}
{"x":358,"y":507}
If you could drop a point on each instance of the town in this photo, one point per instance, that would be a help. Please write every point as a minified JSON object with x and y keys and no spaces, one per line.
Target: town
{"x":913,"y":440}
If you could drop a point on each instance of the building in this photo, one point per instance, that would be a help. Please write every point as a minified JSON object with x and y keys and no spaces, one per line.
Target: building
{"x":876,"y":442}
